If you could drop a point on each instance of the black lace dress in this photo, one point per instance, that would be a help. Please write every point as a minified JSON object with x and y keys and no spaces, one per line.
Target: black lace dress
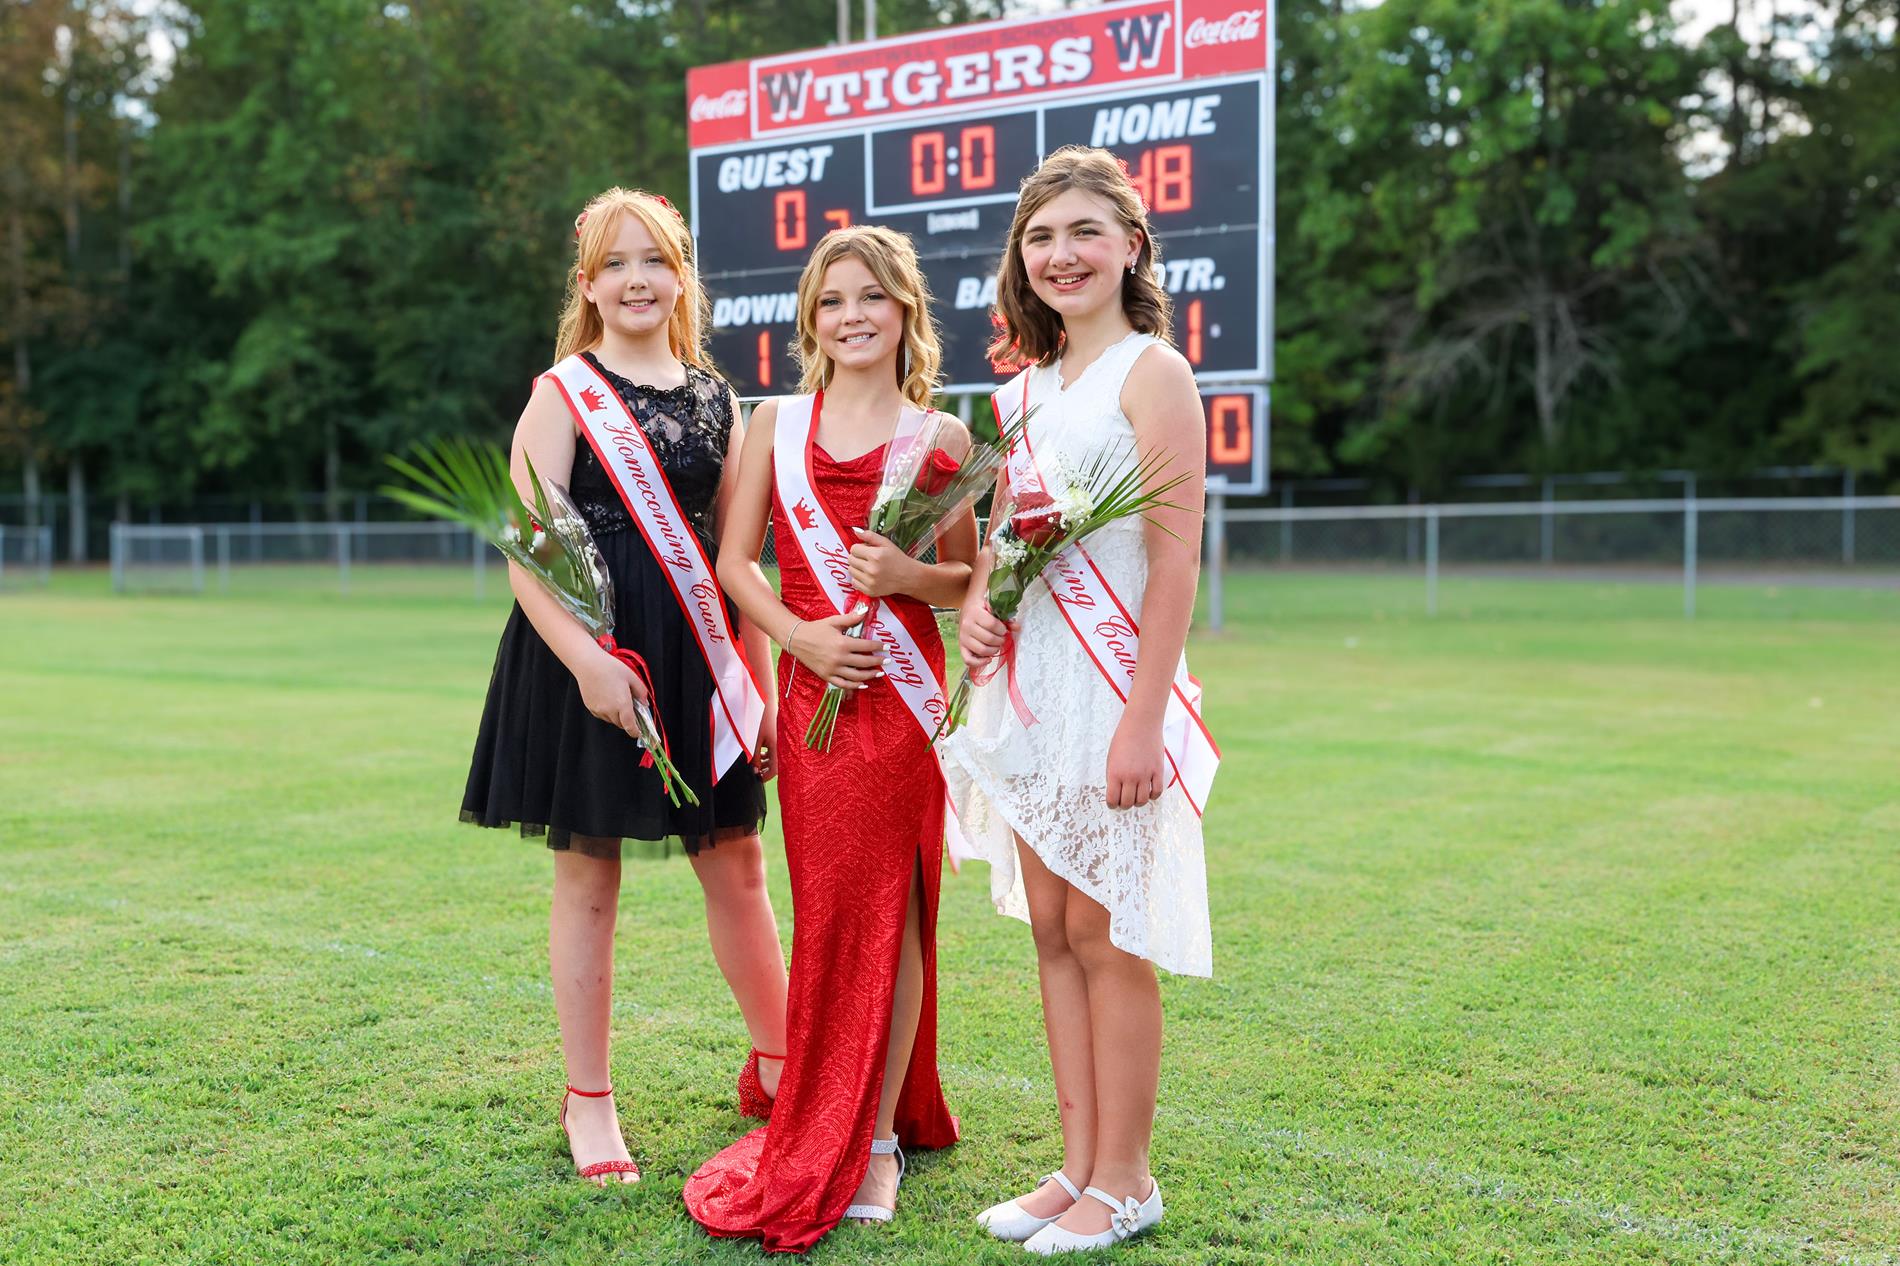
{"x":541,"y":759}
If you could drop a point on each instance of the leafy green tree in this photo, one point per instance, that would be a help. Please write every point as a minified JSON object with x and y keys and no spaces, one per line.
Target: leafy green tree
{"x":37,"y":295}
{"x":1847,"y":318}
{"x":1512,"y":233}
{"x":1505,"y":177}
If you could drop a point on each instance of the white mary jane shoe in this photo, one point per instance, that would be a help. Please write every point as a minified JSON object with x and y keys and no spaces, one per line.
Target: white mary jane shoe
{"x":1130,"y":1217}
{"x":1009,"y":1221}
{"x":876,"y":1212}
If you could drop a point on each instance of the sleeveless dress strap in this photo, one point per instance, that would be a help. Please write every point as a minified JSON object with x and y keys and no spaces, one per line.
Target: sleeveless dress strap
{"x":1125,"y":354}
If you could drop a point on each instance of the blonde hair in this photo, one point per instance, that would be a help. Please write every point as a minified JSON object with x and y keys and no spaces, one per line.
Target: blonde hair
{"x":594,"y":232}
{"x":1029,"y":331}
{"x":892,"y":259}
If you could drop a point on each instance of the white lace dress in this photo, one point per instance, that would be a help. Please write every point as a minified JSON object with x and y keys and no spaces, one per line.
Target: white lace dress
{"x":1048,"y":782}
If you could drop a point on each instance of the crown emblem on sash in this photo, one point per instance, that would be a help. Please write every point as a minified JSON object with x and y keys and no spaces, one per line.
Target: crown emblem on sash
{"x":591,"y":397}
{"x":806,"y":516}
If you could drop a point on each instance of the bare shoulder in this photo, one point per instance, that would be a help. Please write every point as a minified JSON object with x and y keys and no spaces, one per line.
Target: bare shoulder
{"x":761,"y":431}
{"x":546,"y":410}
{"x":951,"y":423}
{"x":1161,"y":399}
{"x":1159,"y":372}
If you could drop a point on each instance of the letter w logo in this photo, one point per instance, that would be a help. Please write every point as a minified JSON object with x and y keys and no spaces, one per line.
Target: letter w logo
{"x":1138,"y":39}
{"x":786,"y":92}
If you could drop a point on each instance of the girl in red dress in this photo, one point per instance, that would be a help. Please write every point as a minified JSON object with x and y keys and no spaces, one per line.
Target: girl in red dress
{"x":864,"y":820}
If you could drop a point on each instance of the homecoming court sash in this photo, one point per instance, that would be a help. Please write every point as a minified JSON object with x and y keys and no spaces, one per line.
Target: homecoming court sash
{"x":821,"y":539}
{"x":1106,"y":629}
{"x":737,"y":706}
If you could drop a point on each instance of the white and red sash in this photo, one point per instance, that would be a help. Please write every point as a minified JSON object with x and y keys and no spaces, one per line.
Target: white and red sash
{"x":1105,"y":627}
{"x":627,"y":456}
{"x":821,"y":538}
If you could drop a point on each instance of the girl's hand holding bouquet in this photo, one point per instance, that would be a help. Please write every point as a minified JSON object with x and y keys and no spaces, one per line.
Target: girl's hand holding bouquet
{"x":932,"y":473}
{"x":980,"y":634}
{"x":834,"y":656}
{"x":879,"y":568}
{"x":612,"y":691}
{"x":1031,"y":527}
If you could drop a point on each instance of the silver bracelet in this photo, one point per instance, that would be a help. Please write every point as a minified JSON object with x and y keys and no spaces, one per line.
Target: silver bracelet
{"x":793,"y":675}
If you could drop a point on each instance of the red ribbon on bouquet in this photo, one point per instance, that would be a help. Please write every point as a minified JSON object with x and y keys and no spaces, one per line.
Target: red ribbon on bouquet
{"x":639,"y":666}
{"x":1006,"y":659}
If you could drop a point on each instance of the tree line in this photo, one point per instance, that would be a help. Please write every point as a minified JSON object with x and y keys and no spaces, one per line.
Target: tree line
{"x":250,"y":246}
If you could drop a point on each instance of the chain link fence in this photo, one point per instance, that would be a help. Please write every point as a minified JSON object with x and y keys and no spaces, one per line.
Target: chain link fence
{"x":1780,"y":540}
{"x":1848,"y":541}
{"x":270,"y":557}
{"x":339,"y":557}
{"x":26,"y":556}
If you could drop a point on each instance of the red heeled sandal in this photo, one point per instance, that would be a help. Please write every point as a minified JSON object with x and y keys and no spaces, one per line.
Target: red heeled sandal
{"x":753,"y":1101}
{"x":598,"y":1168}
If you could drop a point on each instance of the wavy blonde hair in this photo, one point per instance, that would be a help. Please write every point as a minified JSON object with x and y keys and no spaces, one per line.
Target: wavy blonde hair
{"x":892,"y":259}
{"x":1029,"y":331}
{"x":594,"y":232}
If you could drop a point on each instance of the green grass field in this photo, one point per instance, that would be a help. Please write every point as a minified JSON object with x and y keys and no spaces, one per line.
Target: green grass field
{"x":1555,"y":930}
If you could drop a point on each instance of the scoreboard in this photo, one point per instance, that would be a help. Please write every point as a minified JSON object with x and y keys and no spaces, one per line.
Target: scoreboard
{"x":931,"y":133}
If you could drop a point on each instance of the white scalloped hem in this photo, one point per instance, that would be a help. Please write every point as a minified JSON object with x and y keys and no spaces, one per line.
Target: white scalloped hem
{"x":1005,"y":883}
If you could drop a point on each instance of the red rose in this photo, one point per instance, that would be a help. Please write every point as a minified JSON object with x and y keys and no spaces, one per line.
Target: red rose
{"x":1035,"y":519}
{"x":939,"y":469}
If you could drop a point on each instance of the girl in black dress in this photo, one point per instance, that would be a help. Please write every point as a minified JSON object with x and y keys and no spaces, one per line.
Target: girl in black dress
{"x":555,"y":753}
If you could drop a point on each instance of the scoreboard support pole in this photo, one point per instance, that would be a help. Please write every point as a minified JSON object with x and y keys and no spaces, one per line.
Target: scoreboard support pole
{"x":1216,"y":557}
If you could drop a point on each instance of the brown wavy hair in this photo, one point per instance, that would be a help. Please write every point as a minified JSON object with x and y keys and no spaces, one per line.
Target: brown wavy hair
{"x":1029,"y":331}
{"x":892,"y":259}
{"x":594,"y":232}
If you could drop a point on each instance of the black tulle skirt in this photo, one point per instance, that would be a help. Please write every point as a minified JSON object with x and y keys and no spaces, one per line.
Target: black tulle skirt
{"x":545,"y":763}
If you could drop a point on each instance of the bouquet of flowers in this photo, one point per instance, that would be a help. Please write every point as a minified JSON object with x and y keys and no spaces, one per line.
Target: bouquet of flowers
{"x":469,"y":483}
{"x":1034,"y":525}
{"x":924,"y":486}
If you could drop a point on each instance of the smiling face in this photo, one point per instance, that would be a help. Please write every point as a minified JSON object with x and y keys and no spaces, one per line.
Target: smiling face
{"x":1076,"y":252}
{"x":858,"y":325}
{"x":635,"y":288}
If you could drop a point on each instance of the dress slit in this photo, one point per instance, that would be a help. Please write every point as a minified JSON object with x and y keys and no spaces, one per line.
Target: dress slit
{"x":863,"y":821}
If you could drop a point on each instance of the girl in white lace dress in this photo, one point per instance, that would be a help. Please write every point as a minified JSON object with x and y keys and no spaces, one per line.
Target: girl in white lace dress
{"x":1088,"y":834}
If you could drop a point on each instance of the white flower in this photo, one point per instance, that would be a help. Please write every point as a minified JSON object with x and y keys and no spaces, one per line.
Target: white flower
{"x":540,"y":539}
{"x":1010,"y":551}
{"x":1075,"y":505}
{"x":511,"y":534}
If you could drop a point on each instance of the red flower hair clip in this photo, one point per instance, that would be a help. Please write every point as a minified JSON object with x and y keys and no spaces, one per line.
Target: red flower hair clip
{"x":581,"y":219}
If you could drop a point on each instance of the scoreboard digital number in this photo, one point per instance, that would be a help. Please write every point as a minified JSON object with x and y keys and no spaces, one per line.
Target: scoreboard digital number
{"x":1236,"y":439}
{"x":931,"y":134}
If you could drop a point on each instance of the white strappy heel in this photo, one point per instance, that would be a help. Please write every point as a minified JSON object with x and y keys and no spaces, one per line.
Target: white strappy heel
{"x":1010,"y":1221}
{"x":1128,"y":1217}
{"x":873,"y":1212}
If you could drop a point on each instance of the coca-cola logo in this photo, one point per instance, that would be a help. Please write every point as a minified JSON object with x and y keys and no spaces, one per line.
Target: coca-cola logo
{"x":727,"y":105}
{"x":1236,"y":28}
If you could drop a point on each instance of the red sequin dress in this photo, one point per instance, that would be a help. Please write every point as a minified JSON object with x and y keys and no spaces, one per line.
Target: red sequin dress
{"x":857,"y":820}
